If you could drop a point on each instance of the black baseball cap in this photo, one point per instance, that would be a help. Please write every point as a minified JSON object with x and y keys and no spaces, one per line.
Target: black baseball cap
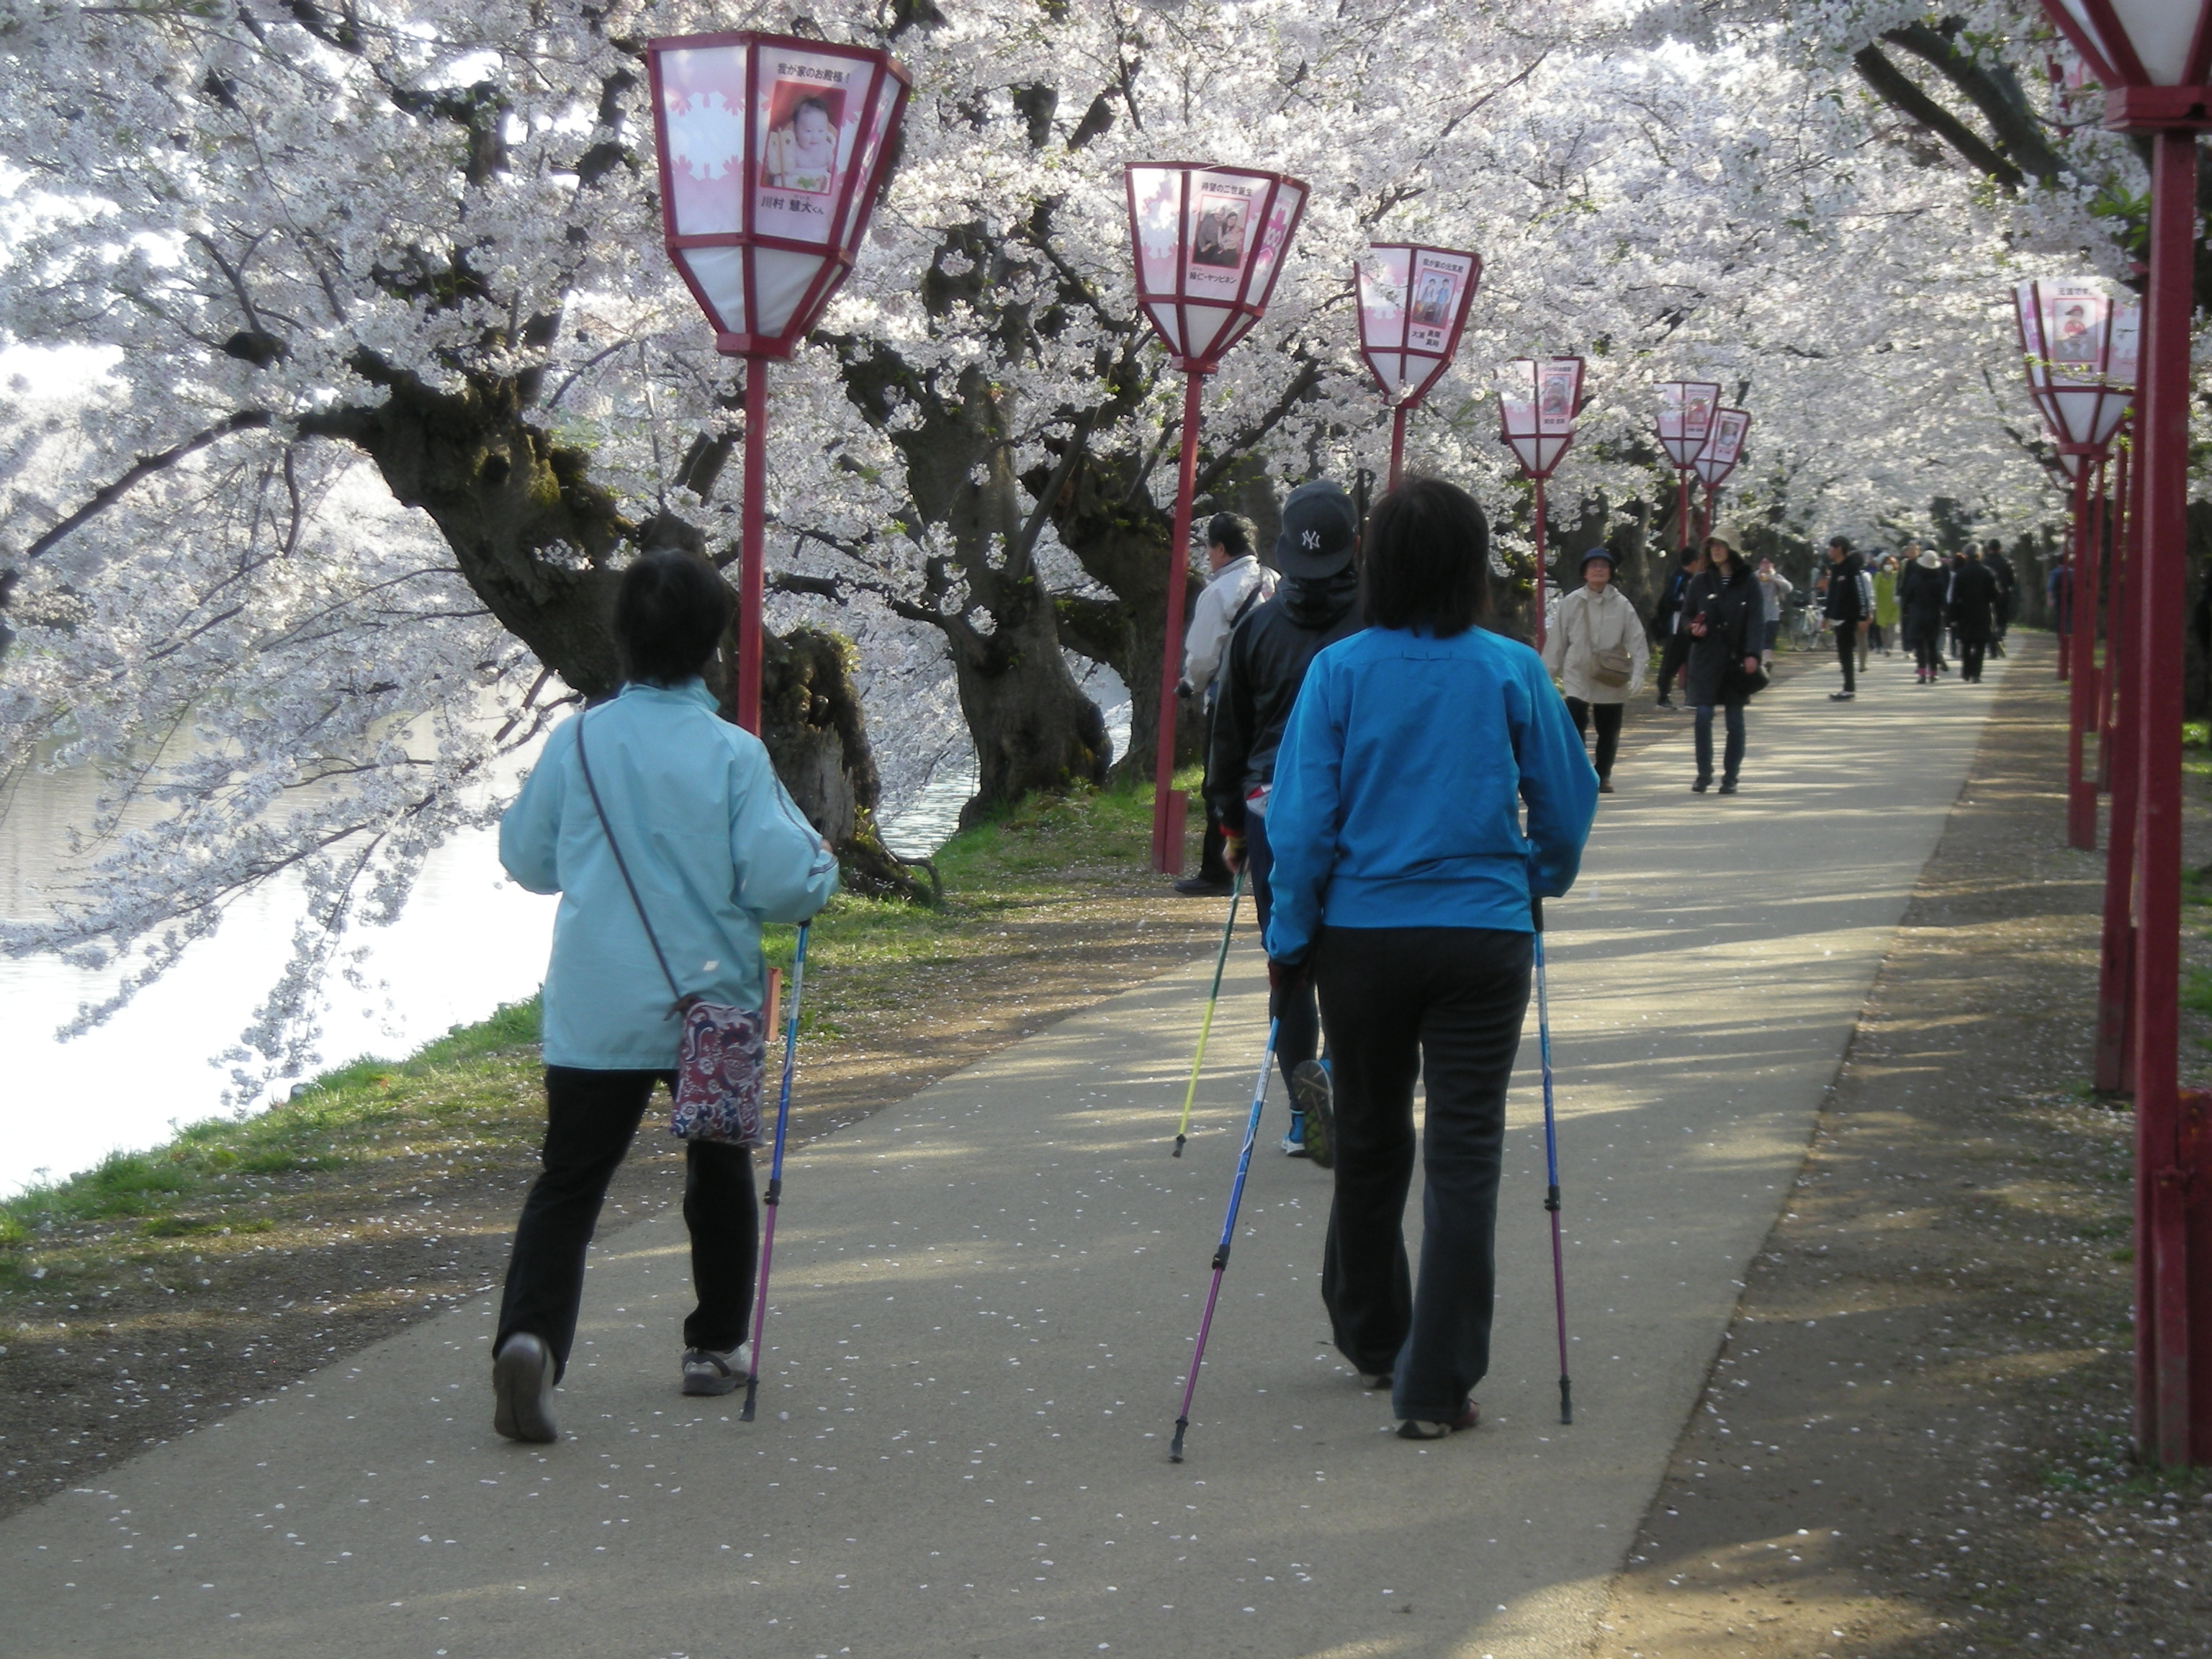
{"x":1319,"y":527}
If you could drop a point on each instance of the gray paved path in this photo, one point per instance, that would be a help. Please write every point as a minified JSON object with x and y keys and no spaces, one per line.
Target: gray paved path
{"x":986,"y":1301}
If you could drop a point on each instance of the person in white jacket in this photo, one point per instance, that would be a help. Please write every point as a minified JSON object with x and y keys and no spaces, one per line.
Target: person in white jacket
{"x":1596,"y":650}
{"x":1238,"y":585}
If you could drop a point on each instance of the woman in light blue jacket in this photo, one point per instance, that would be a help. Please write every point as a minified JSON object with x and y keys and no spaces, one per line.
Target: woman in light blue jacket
{"x":715,"y":848}
{"x":1430,"y":786}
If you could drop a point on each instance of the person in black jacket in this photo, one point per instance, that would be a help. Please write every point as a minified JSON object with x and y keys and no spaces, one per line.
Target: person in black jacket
{"x":1673,"y":643}
{"x":1974,"y":612}
{"x":1993,"y":554}
{"x":1318,"y":603}
{"x":1723,"y":614}
{"x":1921,"y":588}
{"x":1847,"y":612}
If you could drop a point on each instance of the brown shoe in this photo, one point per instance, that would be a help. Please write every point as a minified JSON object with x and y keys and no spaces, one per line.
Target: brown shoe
{"x":1418,"y":1428}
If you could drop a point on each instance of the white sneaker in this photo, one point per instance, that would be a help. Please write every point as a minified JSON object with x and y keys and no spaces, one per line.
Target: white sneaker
{"x":707,"y":1372}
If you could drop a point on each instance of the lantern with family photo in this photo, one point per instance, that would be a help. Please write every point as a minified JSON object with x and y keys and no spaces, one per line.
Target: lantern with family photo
{"x":1538,"y":400}
{"x":1685,"y":420}
{"x":1723,"y":449}
{"x":1412,"y":304}
{"x":1209,"y":244}
{"x":773,"y":152}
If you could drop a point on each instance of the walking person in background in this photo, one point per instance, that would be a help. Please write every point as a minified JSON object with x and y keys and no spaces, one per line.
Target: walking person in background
{"x":1596,"y":649}
{"x":1866,"y":607}
{"x":1673,"y":643}
{"x":1974,"y":613}
{"x":1316,"y":604}
{"x":1724,"y":612}
{"x":1774,"y":589}
{"x":1920,"y":591}
{"x":672,"y":819}
{"x":1993,"y":554}
{"x":1238,"y":582}
{"x":1403,"y":880}
{"x":1883,"y":628}
{"x":1845,"y":610}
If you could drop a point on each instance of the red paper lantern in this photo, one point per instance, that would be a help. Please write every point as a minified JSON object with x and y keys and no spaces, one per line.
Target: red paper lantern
{"x":1209,"y":244}
{"x":1686,"y":418}
{"x":1413,"y":302}
{"x":772,"y":151}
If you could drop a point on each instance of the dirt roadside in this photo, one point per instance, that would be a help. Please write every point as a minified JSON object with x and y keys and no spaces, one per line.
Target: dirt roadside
{"x":1915,"y":1438}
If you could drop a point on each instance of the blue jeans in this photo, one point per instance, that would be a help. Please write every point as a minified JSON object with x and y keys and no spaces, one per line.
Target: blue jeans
{"x":1298,"y":1038}
{"x":1732,"y":758}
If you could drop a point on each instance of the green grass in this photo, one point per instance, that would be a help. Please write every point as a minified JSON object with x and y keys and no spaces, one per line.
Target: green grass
{"x":478,"y":1083}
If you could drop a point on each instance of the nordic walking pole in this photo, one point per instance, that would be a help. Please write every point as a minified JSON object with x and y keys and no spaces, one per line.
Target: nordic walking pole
{"x":1552,"y":1163}
{"x":1221,"y":1251}
{"x":1182,"y":1130}
{"x":774,"y":1197}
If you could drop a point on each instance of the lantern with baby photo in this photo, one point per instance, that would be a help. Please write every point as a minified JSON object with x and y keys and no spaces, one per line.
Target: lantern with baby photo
{"x":2081,"y":347}
{"x":1538,"y":400}
{"x":1412,"y":305}
{"x":1209,"y":244}
{"x":1685,"y":420}
{"x":773,"y":152}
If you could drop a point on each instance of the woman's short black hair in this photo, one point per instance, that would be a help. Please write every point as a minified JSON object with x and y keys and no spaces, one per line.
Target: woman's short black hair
{"x":1232,"y":533}
{"x":1427,"y":559}
{"x":670,"y":612}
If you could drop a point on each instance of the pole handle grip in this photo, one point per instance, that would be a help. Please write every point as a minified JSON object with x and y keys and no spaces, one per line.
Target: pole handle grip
{"x":1536,"y":913}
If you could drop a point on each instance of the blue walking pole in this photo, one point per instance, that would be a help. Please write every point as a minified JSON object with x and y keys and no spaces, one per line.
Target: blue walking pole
{"x":1552,"y":1163}
{"x":1221,"y":1250}
{"x":774,"y":1197}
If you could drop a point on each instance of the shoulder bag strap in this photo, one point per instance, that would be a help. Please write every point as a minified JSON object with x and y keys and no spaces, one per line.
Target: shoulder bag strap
{"x":1251,"y":598}
{"x":583,"y":760}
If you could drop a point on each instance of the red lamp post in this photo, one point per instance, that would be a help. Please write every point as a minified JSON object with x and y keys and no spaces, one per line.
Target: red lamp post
{"x":1209,"y":246}
{"x":2081,"y":350}
{"x":2154,"y":59}
{"x":1685,"y":420}
{"x":1412,"y":307}
{"x":1538,"y":400}
{"x":773,"y":152}
{"x":1723,"y":450}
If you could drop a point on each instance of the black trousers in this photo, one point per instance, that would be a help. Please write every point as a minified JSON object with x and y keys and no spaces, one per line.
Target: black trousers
{"x":1847,"y":653}
{"x":1400,"y":1003}
{"x":1926,"y":650}
{"x":1606,"y":716}
{"x":590,"y":1117}
{"x":1298,"y":1039}
{"x":1674,"y":652}
{"x":1971,"y":652}
{"x":1732,"y":749}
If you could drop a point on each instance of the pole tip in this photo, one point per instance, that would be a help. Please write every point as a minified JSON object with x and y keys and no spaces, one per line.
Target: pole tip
{"x":1566,"y":1402}
{"x":1174,"y":1446}
{"x":1178,"y":1147}
{"x":752,"y":1392}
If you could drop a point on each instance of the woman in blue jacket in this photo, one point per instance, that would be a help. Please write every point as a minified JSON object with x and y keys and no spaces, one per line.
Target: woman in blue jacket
{"x":1404,"y":877}
{"x":715,"y":848}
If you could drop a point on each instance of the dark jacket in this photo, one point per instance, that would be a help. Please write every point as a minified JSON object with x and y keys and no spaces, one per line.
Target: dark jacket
{"x":1974,"y":595}
{"x":1735,"y":615}
{"x":1846,"y":598}
{"x":1261,"y":673}
{"x":1920,"y":595}
{"x":1671,"y":593}
{"x":2007,"y":584}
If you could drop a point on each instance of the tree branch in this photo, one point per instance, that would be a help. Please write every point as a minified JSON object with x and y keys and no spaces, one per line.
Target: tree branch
{"x":246,"y":420}
{"x":1894,"y":88}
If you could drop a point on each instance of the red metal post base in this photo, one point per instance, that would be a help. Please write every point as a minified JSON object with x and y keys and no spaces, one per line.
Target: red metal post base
{"x":1167,"y":819}
{"x":2081,"y":698}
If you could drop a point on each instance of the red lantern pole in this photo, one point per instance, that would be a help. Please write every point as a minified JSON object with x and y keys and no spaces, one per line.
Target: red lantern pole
{"x":1682,"y":514}
{"x":2082,"y":695}
{"x":1543,"y":582}
{"x":1397,"y":443}
{"x":2173,"y":1253}
{"x":2116,"y":948}
{"x":1169,"y":805}
{"x":2116,"y":527}
{"x":750,"y":537}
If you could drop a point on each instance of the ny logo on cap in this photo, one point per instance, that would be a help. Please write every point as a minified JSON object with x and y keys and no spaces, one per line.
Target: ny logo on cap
{"x":1310,"y":538}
